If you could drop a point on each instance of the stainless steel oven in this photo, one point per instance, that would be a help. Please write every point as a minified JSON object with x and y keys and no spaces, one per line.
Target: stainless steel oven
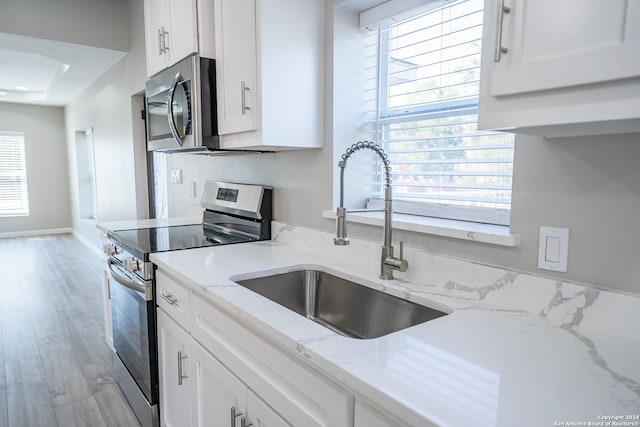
{"x":133,"y":318}
{"x":234,"y":214}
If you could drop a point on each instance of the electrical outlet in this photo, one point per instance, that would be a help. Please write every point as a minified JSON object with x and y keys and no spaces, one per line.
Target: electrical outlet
{"x":176,"y":176}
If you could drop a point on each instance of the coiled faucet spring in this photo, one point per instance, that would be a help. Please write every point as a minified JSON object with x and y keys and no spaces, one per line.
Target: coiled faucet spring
{"x":371,"y":146}
{"x":388,"y":262}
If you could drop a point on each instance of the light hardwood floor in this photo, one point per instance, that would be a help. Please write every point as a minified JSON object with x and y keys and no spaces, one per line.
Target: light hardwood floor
{"x":56,"y":366}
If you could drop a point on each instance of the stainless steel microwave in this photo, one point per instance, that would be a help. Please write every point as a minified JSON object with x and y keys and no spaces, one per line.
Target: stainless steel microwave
{"x":181,"y":107}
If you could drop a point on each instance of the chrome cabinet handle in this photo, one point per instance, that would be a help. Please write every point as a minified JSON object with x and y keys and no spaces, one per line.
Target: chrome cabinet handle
{"x":502,"y":10}
{"x":181,"y":377}
{"x":243,"y":422}
{"x":235,"y":414}
{"x":243,"y":92}
{"x":165,"y":33}
{"x":169,"y":298}
{"x":160,"y":51}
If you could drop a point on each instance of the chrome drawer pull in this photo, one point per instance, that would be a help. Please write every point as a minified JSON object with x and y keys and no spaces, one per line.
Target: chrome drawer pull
{"x":169,"y":298}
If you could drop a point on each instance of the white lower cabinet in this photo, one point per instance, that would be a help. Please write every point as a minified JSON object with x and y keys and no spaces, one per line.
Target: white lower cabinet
{"x":211,"y":365}
{"x":214,"y":371}
{"x":261,"y":415}
{"x":216,"y":392}
{"x":366,"y":416}
{"x":175,"y":379}
{"x":221,"y":399}
{"x":296,"y":395}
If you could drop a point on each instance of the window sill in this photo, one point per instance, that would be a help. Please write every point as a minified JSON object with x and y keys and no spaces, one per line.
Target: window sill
{"x":483,"y":233}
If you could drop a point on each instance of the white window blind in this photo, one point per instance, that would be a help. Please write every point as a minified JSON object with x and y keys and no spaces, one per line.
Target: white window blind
{"x":13,"y":175}
{"x":423,"y":87}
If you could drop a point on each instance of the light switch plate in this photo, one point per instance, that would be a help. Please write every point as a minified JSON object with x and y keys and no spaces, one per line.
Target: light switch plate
{"x":176,"y":176}
{"x":553,"y":249}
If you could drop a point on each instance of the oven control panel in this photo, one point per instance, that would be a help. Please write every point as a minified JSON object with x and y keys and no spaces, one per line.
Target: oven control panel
{"x":245,"y":200}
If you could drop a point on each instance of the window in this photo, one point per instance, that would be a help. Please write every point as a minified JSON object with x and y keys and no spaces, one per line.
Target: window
{"x":424,"y":77}
{"x":14,"y":200}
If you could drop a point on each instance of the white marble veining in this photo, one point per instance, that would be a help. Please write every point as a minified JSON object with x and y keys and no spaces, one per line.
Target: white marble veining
{"x":515,"y":349}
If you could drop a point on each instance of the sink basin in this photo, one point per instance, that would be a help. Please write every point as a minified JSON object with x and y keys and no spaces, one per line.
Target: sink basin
{"x":345,"y":307}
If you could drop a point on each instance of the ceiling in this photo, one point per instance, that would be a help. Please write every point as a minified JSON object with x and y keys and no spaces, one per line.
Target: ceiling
{"x":46,"y":72}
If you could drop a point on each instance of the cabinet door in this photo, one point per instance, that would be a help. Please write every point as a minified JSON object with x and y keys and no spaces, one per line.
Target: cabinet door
{"x":173,"y":342}
{"x":236,"y":65}
{"x":214,"y":390}
{"x":182,"y":37}
{"x":365,"y":416}
{"x":261,"y":415}
{"x":555,"y":44}
{"x":155,"y":13}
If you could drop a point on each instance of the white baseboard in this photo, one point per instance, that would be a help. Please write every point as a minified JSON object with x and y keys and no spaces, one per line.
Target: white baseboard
{"x":87,"y":243}
{"x":29,"y":233}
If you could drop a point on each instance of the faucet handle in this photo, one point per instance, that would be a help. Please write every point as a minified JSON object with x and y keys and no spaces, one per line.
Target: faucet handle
{"x":400,"y":263}
{"x":403,"y":262}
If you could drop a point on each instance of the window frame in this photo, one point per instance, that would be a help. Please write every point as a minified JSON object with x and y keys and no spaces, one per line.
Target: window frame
{"x":445,"y":108}
{"x":20,"y":175}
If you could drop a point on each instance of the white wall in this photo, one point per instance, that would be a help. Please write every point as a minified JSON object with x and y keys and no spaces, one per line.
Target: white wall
{"x":47,"y":167}
{"x":95,"y":23}
{"x":106,"y":106}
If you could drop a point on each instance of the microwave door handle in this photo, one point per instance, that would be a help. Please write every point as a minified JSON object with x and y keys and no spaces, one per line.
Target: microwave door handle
{"x":172,"y":124}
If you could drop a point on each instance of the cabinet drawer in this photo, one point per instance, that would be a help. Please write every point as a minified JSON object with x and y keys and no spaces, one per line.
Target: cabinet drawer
{"x":297,"y":394}
{"x":173,"y":299}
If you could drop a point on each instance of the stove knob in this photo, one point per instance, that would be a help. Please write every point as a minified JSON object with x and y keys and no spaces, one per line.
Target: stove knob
{"x":109,"y":249}
{"x":131,"y":264}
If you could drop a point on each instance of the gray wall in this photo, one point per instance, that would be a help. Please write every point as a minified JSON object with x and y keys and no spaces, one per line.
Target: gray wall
{"x":590,"y":185}
{"x":47,"y":167}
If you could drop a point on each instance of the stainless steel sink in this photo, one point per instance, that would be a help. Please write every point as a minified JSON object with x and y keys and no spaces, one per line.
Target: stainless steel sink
{"x":341,"y":305}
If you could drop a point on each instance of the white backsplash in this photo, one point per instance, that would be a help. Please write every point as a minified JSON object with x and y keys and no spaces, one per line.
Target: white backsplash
{"x":463,"y":284}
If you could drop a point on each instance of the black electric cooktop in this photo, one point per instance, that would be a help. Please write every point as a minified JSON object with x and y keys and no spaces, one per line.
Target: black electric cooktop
{"x":162,"y":239}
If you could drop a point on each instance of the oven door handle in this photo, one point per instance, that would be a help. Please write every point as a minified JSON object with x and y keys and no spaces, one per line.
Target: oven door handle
{"x":172,"y":123}
{"x":143,"y":289}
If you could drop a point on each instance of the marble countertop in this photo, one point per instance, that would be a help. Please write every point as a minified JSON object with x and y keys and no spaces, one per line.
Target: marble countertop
{"x":514,"y":350}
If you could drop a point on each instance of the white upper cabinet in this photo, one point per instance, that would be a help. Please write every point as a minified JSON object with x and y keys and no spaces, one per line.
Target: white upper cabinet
{"x":269,"y":64}
{"x":561,"y":68}
{"x":237,"y":66}
{"x":171,"y":32}
{"x":552,"y":44}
